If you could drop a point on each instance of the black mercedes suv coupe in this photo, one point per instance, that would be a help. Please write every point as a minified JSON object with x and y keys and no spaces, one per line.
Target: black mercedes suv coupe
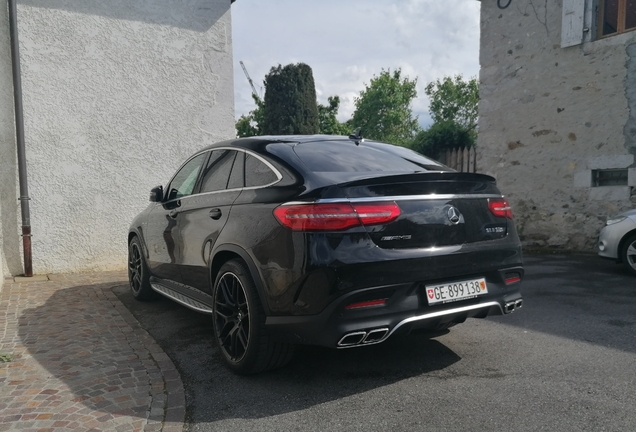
{"x":332,"y":241}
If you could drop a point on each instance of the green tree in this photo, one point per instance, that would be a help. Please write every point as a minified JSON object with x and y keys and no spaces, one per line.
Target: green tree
{"x":453,"y":107}
{"x":440,"y":137}
{"x":250,"y":124}
{"x":383,"y":110}
{"x":290,"y":101}
{"x":327,"y":116}
{"x":454,"y":100}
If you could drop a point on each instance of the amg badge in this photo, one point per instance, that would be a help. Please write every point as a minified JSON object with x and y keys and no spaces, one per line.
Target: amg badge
{"x":402,"y":237}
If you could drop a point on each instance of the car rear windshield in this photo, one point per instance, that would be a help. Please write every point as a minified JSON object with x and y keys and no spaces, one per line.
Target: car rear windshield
{"x":345,"y":156}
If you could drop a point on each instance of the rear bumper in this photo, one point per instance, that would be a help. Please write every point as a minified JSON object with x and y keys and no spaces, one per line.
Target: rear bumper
{"x":406,"y":309}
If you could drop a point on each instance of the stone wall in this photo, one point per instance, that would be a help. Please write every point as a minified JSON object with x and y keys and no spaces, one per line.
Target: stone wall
{"x":549,"y":115}
{"x":116,"y":95}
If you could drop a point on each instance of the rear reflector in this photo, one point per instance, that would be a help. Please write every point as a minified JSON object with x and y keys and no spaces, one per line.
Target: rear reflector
{"x":511,"y":278}
{"x":369,"y":303}
{"x":335,"y":217}
{"x":500,"y":207}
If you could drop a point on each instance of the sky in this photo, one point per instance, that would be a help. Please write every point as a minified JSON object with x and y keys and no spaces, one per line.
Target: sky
{"x":347,"y":42}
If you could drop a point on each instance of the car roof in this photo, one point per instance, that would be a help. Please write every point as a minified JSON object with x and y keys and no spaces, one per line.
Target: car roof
{"x":259,"y":142}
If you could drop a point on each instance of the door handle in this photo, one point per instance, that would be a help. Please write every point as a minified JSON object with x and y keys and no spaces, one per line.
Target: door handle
{"x":173,"y":214}
{"x":216,"y":213}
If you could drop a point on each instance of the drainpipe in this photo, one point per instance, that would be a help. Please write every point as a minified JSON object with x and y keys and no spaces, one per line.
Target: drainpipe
{"x":19,"y":130}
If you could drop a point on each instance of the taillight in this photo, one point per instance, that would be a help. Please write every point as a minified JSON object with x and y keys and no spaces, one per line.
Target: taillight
{"x":500,"y":207}
{"x":377,"y":213}
{"x":365,"y":304}
{"x":335,"y":217}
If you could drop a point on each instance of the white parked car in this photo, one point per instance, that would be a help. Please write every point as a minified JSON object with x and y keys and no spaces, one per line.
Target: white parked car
{"x":617,"y":240}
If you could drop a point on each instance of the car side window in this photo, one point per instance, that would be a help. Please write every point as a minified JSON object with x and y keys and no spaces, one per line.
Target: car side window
{"x":237,"y":178}
{"x":258,"y":173}
{"x":217,"y":172}
{"x":184,"y":181}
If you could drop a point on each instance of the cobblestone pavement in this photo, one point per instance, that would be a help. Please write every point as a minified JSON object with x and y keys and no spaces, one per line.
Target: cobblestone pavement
{"x":80,"y":361}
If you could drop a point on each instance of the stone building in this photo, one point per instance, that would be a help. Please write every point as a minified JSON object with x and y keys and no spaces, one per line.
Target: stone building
{"x":116,"y":95}
{"x":557,"y":116}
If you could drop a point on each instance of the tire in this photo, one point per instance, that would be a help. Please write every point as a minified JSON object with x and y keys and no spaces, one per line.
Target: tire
{"x":138,"y":274}
{"x":239,"y":323}
{"x":628,"y":254}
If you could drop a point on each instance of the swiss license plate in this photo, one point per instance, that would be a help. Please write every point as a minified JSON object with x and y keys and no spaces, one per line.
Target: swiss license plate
{"x":455,"y":291}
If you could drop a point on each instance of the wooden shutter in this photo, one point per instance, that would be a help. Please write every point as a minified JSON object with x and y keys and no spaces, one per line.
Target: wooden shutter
{"x":573,"y":22}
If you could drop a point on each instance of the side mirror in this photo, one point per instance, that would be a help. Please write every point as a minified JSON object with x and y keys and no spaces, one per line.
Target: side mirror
{"x":156,"y":194}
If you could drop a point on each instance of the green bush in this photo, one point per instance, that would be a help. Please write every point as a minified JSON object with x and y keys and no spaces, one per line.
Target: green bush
{"x":442,"y":136}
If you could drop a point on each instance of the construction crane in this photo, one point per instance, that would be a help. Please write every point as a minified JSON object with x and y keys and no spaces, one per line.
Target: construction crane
{"x":254,"y":92}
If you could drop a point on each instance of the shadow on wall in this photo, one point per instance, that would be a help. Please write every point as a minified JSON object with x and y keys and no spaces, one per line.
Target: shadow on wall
{"x":197,"y":15}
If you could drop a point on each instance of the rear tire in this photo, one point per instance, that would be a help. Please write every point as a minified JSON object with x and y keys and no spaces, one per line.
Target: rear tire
{"x":628,"y":254}
{"x":138,"y":274}
{"x":239,"y":323}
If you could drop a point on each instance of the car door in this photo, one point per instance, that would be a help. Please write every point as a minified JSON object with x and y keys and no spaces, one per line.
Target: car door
{"x":163,"y":238}
{"x":204,"y":215}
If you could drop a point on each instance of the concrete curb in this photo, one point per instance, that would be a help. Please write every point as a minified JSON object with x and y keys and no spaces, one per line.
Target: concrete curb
{"x":168,"y":395}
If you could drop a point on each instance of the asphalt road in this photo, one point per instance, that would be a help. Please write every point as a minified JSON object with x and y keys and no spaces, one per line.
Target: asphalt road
{"x":566,"y":361}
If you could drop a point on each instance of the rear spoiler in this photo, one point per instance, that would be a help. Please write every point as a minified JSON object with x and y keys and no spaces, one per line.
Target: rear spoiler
{"x":431,"y":176}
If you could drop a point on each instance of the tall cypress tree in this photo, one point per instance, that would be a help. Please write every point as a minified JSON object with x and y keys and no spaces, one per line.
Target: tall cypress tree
{"x":290,"y":101}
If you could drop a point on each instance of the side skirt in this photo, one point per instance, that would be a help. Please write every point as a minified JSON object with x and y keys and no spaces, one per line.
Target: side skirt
{"x":178,"y":296}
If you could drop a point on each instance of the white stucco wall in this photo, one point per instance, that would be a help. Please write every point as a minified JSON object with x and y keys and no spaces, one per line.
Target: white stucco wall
{"x":116,"y":95}
{"x":548,"y":116}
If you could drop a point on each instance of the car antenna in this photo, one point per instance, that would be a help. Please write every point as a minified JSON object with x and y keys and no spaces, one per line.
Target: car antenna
{"x":356,"y":136}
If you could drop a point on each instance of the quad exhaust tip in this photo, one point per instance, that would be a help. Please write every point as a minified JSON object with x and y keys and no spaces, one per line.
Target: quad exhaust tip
{"x":510,"y":307}
{"x":369,"y":337}
{"x":363,"y":337}
{"x":352,"y":339}
{"x":375,"y":335}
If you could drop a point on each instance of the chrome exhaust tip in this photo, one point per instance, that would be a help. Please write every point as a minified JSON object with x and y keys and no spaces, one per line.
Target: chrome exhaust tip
{"x":518,"y":304}
{"x":375,"y":335}
{"x":509,"y":307}
{"x":352,"y":339}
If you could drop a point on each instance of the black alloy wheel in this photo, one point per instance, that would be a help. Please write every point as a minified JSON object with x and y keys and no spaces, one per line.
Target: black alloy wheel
{"x":138,"y":275}
{"x":232,"y":317}
{"x":239,"y":323}
{"x":629,"y":254}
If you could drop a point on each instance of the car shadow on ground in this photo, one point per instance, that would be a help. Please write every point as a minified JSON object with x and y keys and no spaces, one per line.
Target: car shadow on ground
{"x":315,"y":375}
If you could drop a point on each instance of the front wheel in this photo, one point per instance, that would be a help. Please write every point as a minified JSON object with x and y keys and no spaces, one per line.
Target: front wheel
{"x":628,"y":254}
{"x":239,"y":323}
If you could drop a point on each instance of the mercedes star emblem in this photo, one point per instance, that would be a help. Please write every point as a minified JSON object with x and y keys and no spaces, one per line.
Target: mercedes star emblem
{"x":454,"y":215}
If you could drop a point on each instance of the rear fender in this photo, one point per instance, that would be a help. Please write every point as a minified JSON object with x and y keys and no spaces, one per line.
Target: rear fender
{"x":245,"y":256}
